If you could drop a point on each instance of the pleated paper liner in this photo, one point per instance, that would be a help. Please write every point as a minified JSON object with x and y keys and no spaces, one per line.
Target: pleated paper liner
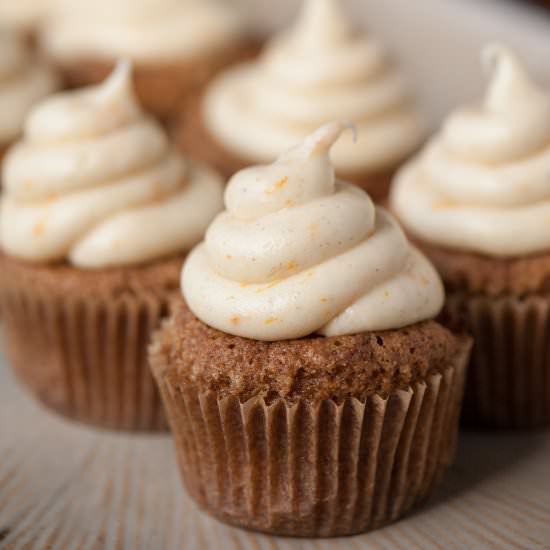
{"x":508,"y":383}
{"x":315,"y":469}
{"x":87,"y":358}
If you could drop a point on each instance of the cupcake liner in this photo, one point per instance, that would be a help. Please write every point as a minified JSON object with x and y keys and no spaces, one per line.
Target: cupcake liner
{"x":508,"y":383}
{"x":314,"y":468}
{"x":86,"y":358}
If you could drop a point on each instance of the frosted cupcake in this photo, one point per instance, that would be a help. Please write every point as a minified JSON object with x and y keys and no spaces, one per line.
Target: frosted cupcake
{"x":477,"y":199}
{"x":175,"y":45}
{"x":97,"y":214}
{"x":23,"y":81}
{"x":322,"y":68}
{"x":308,"y":388}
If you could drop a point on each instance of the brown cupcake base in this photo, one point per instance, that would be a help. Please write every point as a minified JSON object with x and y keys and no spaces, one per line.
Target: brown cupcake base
{"x":479,"y":274}
{"x":504,"y":303}
{"x":193,"y":139}
{"x":78,"y":339}
{"x":508,"y":384}
{"x":297,"y":464}
{"x":162,"y":89}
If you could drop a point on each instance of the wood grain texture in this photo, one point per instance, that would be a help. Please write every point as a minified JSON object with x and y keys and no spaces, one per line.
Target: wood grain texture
{"x":67,"y":487}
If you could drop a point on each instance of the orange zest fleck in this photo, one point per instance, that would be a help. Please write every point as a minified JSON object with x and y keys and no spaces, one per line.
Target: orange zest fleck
{"x":235,"y":320}
{"x":270,"y":320}
{"x":38,"y":229}
{"x":278,"y":185}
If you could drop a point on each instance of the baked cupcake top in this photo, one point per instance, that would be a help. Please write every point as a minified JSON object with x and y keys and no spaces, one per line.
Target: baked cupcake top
{"x":23,"y":81}
{"x":322,"y":68}
{"x":146,"y":31}
{"x":298,"y":252}
{"x":483,"y":182}
{"x":96,"y":182}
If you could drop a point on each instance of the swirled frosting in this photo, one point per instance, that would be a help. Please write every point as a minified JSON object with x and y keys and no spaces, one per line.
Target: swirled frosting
{"x":483,"y":183}
{"x":95,"y":181}
{"x":142,"y":30}
{"x":298,"y":252}
{"x":22,"y":83}
{"x":322,"y":69}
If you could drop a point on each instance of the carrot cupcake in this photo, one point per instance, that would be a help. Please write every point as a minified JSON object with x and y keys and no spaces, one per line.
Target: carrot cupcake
{"x":322,"y":68}
{"x":23,"y":81}
{"x":175,"y":45}
{"x":478,"y":201}
{"x":309,"y":390}
{"x":97,"y":214}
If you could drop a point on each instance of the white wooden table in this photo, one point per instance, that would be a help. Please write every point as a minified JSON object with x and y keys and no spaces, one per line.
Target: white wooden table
{"x":63,"y":486}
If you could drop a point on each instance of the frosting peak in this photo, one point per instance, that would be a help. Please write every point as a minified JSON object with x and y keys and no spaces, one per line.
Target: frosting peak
{"x":300,"y":174}
{"x":320,"y":69}
{"x":321,"y":24}
{"x":86,"y":112}
{"x":298,"y":252}
{"x":22,"y":82}
{"x":489,"y":167}
{"x":513,"y":120}
{"x":95,"y":181}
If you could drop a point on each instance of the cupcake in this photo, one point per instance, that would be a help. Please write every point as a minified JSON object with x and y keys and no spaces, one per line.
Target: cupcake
{"x":477,"y":200}
{"x":176,"y":45}
{"x":97,"y":213}
{"x":322,"y":68}
{"x":23,"y":81}
{"x":308,"y":388}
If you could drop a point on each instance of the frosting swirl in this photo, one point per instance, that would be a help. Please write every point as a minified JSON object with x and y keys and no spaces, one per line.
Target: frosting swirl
{"x":299,"y":252}
{"x":483,"y":183}
{"x":321,"y":69}
{"x":95,"y":181}
{"x":22,"y":83}
{"x":142,"y":30}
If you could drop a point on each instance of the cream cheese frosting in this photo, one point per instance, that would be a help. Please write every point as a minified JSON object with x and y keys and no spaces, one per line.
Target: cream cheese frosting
{"x":322,"y":69}
{"x":22,"y":83}
{"x":95,"y":181}
{"x":483,"y":183}
{"x":298,"y":251}
{"x":141,"y":30}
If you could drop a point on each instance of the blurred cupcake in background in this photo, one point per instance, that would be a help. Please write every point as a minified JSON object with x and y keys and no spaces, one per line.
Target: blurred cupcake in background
{"x":175,"y":45}
{"x":97,"y":214}
{"x":23,"y":81}
{"x":320,"y":69}
{"x":24,"y":16}
{"x":477,"y":200}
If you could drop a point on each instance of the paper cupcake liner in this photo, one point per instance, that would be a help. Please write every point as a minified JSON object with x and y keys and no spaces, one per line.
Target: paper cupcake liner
{"x":508,"y":382}
{"x":315,"y":469}
{"x":87,"y":358}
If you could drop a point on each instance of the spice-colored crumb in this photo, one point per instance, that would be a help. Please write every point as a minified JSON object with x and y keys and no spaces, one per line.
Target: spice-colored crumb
{"x":186,"y":350}
{"x":63,"y":280}
{"x":477,"y":273}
